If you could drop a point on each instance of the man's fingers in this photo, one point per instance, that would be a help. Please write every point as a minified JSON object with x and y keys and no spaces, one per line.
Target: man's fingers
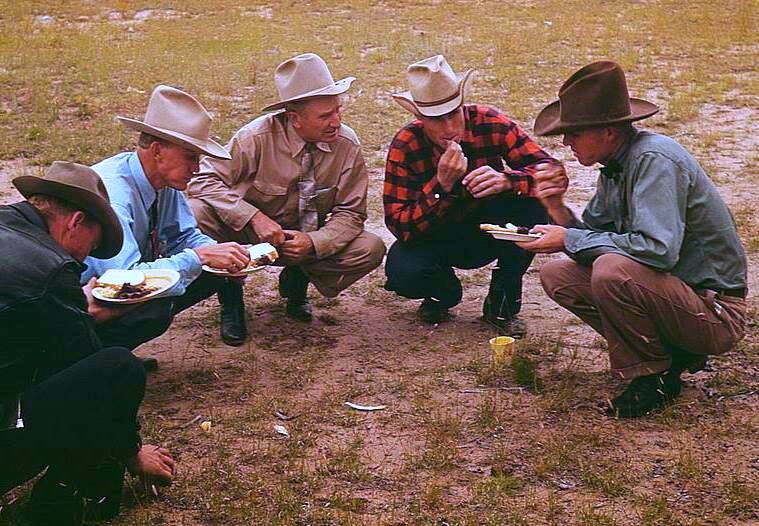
{"x":475,"y":173}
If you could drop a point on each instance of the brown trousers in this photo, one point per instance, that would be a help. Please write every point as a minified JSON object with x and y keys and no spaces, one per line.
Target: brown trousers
{"x":639,"y":310}
{"x":330,"y":275}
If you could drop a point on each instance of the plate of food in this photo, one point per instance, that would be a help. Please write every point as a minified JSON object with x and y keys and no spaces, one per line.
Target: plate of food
{"x":133,"y":286}
{"x":261,"y":255}
{"x":509,"y":232}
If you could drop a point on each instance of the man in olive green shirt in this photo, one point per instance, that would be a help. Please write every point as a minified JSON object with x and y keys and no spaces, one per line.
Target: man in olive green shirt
{"x":297,"y":180}
{"x":656,"y":266}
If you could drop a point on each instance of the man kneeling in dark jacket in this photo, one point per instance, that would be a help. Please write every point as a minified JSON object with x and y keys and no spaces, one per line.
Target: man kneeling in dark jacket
{"x":66,"y":403}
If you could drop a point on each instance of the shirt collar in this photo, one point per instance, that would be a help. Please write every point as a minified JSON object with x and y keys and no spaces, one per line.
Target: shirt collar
{"x":144,"y":188}
{"x":621,"y":154}
{"x":296,"y":142}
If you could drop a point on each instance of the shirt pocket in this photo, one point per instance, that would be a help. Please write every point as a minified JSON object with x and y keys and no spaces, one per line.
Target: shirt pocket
{"x":325,"y":200}
{"x":269,"y":197}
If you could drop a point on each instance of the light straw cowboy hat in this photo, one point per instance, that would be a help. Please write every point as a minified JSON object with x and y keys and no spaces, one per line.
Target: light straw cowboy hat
{"x":305,"y":76}
{"x":596,"y":95}
{"x":179,"y":118}
{"x":82,"y":187}
{"x":434,"y":88}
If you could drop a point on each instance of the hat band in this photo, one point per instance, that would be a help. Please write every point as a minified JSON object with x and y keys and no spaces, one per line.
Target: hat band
{"x":437,"y":102}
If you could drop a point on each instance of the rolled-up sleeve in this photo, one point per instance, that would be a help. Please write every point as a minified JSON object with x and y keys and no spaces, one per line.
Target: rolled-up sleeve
{"x":656,"y":213}
{"x":348,"y":213}
{"x":220,"y":183}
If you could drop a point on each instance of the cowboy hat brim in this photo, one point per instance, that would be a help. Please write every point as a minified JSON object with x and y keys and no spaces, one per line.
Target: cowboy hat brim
{"x":99,"y":208}
{"x":208,"y":147}
{"x":340,"y":86}
{"x":548,"y":121}
{"x":407,"y":102}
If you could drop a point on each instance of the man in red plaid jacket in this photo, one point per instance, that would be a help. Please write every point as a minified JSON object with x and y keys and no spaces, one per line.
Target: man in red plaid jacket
{"x":445,"y":175}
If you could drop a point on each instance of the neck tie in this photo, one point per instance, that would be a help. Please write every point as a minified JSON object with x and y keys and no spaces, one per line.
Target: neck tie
{"x":155,"y":243}
{"x":307,"y":213}
{"x":612,"y":169}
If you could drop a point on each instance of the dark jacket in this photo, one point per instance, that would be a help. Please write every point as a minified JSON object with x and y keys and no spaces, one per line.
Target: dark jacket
{"x":44,"y":324}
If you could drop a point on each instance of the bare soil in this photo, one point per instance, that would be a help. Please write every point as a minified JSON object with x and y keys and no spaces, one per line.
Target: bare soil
{"x":452,"y":425}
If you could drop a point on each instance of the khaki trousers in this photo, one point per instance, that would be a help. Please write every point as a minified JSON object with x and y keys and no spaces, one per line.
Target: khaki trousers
{"x":640,"y":310}
{"x":330,"y":275}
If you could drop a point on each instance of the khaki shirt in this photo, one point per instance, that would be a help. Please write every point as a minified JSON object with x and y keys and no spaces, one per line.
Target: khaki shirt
{"x":263,"y":176}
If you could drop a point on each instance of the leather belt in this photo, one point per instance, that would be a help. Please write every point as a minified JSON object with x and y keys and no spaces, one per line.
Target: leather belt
{"x":734,"y":293}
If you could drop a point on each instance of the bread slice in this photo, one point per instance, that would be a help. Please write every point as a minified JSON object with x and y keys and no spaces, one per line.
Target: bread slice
{"x":117,"y":277}
{"x":262,"y":254}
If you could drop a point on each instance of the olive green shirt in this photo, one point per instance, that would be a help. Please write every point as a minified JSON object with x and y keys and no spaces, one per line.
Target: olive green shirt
{"x":263,"y":176}
{"x":664,"y":212}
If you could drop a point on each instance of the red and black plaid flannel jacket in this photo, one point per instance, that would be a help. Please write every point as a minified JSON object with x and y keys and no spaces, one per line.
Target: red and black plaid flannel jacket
{"x":415,"y":203}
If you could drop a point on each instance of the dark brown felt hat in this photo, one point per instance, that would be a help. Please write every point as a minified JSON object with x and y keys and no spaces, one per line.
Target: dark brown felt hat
{"x":82,"y":187}
{"x":596,"y":95}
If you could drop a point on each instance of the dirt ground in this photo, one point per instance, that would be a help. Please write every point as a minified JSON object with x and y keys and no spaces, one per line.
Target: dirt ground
{"x":458,"y":442}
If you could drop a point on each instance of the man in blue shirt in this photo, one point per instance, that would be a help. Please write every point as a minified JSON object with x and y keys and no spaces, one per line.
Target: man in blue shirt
{"x":160,"y":231}
{"x":657,"y":267}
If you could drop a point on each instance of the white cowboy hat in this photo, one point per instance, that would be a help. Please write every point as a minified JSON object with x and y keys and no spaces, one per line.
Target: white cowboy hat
{"x":179,"y":118}
{"x":434,"y":88}
{"x":305,"y":76}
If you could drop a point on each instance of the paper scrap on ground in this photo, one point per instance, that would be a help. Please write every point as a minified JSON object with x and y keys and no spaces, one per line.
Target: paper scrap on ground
{"x":283,"y":416}
{"x":282,"y":430}
{"x":359,"y":407}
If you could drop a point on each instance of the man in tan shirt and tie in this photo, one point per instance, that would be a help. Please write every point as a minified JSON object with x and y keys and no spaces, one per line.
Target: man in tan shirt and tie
{"x":297,"y":180}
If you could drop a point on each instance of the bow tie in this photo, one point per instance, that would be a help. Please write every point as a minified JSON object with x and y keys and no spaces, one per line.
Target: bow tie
{"x":612,"y":169}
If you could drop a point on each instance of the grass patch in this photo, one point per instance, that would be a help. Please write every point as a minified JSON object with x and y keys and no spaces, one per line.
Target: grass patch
{"x":609,"y":480}
{"x":525,"y":372}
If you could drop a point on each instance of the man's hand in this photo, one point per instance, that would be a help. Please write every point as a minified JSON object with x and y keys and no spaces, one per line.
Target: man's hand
{"x":267,"y":230}
{"x":297,"y":246}
{"x":452,"y":166}
{"x":484,"y":181}
{"x":231,"y":256}
{"x":551,"y":241}
{"x":100,"y":311}
{"x":551,"y":183}
{"x":153,"y":463}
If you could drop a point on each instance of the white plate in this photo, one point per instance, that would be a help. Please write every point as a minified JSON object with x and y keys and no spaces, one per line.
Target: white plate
{"x":256,"y":251}
{"x":513,"y":236}
{"x":165,"y":278}
{"x":244,"y":272}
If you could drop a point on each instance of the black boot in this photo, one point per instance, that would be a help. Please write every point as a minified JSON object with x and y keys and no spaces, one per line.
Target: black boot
{"x":293,"y":285}
{"x":503,"y":303}
{"x":233,"y":329}
{"x":683,"y":360}
{"x":646,"y":393}
{"x":55,"y":503}
{"x":432,"y":312}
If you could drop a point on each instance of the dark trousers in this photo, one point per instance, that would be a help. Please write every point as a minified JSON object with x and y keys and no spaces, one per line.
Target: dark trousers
{"x":424,"y":268}
{"x":81,"y":422}
{"x":154,"y":318}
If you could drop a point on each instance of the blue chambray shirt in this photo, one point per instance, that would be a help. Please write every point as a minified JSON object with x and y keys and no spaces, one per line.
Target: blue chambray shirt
{"x":131,"y":196}
{"x":664,"y":212}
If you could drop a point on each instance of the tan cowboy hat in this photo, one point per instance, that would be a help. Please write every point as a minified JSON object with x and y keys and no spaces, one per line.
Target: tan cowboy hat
{"x":305,"y":76}
{"x":179,"y":118}
{"x":82,"y":187}
{"x":595,"y":95}
{"x":434,"y":89}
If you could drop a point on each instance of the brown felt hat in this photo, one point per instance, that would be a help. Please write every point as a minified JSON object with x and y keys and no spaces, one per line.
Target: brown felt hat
{"x":179,"y":118}
{"x":596,"y":95}
{"x":82,"y":187}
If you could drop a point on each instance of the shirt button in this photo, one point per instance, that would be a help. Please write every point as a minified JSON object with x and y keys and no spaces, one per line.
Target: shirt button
{"x":437,"y":196}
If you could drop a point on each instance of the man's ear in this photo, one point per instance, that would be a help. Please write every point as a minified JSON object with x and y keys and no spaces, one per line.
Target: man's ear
{"x":294,"y":119}
{"x":75,"y":220}
{"x":155,"y":148}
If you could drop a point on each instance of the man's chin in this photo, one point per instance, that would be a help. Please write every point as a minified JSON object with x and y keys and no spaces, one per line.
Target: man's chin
{"x":330,"y":137}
